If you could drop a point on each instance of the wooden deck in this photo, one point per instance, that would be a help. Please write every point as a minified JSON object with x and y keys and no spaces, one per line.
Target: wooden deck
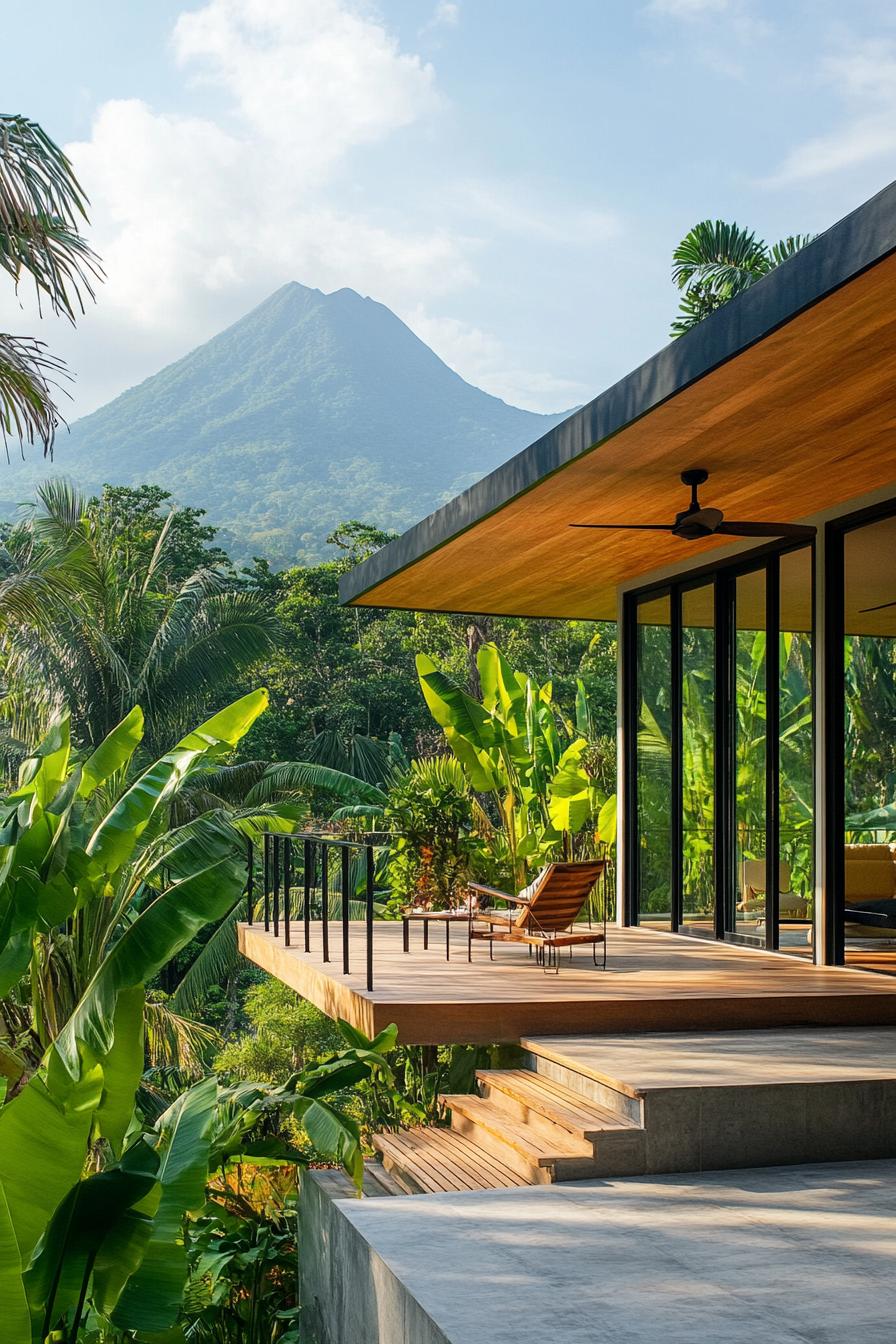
{"x":654,"y":982}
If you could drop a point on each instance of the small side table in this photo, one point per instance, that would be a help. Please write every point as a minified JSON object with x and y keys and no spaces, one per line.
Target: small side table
{"x":427,"y":917}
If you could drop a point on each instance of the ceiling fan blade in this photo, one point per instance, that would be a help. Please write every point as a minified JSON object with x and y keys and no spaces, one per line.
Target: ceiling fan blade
{"x":881,"y":606}
{"x":797,"y":531}
{"x":626,"y":527}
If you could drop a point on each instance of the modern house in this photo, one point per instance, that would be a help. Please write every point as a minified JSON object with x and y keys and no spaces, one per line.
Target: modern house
{"x":785,"y":399}
{"x":748,"y":1014}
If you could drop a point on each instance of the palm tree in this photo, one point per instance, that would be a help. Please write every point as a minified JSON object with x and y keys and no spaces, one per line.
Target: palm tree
{"x":42,"y":209}
{"x":715,"y":261}
{"x":88,"y":626}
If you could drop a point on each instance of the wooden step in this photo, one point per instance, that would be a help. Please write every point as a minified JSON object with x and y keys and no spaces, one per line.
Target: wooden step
{"x":431,"y":1161}
{"x":537,"y":1100}
{"x":379,"y":1181}
{"x":547,"y":1063}
{"x":537,"y":1155}
{"x":339,"y":1185}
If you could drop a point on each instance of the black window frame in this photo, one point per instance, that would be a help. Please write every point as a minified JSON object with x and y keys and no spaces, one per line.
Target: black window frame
{"x":723,"y":574}
{"x":834,"y":711}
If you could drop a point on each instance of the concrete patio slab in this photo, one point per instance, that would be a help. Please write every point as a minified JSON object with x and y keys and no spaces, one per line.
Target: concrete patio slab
{"x":792,"y":1255}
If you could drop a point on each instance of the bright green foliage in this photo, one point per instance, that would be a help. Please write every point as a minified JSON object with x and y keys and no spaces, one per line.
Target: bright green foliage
{"x":131,"y":898}
{"x":89,"y":621}
{"x":716,"y":261}
{"x":342,"y":679}
{"x":510,"y":747}
{"x":432,"y":811}
{"x":285,"y":1034}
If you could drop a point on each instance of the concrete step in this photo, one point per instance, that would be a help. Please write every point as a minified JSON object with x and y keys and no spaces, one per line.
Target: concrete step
{"x":433,"y":1161}
{"x":538,"y":1156}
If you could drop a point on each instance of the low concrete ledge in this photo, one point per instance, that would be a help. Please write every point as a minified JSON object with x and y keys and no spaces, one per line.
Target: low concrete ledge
{"x":348,"y":1293}
{"x":783,"y":1255}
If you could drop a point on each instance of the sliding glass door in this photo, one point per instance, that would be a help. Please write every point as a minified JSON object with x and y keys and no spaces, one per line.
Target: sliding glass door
{"x":720,"y":713}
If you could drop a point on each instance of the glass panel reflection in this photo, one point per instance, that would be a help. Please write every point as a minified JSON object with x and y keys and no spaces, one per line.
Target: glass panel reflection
{"x":796,"y":783}
{"x":748,"y":915}
{"x":654,"y":764}
{"x":698,"y":758}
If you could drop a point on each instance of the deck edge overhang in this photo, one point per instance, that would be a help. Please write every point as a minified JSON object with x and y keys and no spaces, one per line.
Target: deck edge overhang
{"x":844,"y":251}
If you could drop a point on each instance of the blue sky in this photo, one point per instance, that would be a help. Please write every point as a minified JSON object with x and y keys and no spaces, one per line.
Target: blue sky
{"x":509,"y":175}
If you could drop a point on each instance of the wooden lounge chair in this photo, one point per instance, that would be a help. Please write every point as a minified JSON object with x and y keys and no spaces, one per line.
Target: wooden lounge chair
{"x":543,"y":917}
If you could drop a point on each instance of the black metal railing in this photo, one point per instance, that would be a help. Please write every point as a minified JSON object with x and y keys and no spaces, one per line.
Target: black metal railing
{"x":279,"y":873}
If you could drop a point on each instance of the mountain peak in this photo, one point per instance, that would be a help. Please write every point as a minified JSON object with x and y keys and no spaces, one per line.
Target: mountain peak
{"x":311,"y":409}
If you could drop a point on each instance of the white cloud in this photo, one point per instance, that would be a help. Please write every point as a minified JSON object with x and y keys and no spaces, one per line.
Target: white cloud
{"x":316,"y":78}
{"x":198,"y":219}
{"x":865,"y":78}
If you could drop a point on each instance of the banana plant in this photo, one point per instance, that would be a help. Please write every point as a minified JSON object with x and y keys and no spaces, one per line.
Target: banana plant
{"x":114,"y":1256}
{"x":108,"y":894}
{"x":509,"y":746}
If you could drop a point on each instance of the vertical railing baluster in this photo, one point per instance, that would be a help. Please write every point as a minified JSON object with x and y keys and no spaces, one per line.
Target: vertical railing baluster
{"x":369,"y":914}
{"x":325,"y":897}
{"x":287,"y":879}
{"x":275,"y":863}
{"x":306,"y":908}
{"x":266,"y":882}
{"x":250,"y":859}
{"x":346,"y":882}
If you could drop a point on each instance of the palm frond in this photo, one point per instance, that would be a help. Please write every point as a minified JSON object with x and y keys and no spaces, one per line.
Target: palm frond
{"x":28,"y":387}
{"x":357,"y":754}
{"x":789,"y":246}
{"x":214,"y":965}
{"x":719,"y":255}
{"x":305,"y":776}
{"x":177,"y":1041}
{"x":42,"y":208}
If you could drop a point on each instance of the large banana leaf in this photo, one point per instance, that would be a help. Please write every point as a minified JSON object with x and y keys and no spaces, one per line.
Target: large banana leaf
{"x":606,"y":821}
{"x":152,"y":1297}
{"x":113,"y":753}
{"x":501,"y":689}
{"x":89,"y":1214}
{"x":156,"y":935}
{"x":44,"y":1133}
{"x":16,"y":1316}
{"x":122,"y":1067}
{"x":572,"y":798}
{"x":470,"y":731}
{"x":116,"y":837}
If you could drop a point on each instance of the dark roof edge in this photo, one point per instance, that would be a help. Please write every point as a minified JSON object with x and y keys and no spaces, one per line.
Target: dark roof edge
{"x":838,"y":255}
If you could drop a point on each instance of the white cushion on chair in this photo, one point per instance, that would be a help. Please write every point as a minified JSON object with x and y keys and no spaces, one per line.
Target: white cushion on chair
{"x":528,"y":892}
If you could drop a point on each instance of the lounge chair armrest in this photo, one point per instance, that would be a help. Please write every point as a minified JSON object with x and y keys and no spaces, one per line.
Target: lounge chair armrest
{"x":499,"y":895}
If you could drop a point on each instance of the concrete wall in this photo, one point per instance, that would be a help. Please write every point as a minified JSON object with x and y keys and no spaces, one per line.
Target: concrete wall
{"x":348,"y":1293}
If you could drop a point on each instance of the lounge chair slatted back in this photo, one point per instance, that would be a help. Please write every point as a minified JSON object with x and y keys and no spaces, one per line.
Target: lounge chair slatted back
{"x":559,"y":896}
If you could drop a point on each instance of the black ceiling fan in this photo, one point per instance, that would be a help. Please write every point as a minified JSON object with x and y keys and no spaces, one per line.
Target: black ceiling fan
{"x":695,"y":521}
{"x":881,"y":606}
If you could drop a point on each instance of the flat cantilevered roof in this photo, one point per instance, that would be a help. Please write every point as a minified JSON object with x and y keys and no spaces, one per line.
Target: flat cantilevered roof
{"x":787,"y":396}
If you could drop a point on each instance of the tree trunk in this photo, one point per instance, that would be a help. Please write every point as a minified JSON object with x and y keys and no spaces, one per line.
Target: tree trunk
{"x":478,"y":632}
